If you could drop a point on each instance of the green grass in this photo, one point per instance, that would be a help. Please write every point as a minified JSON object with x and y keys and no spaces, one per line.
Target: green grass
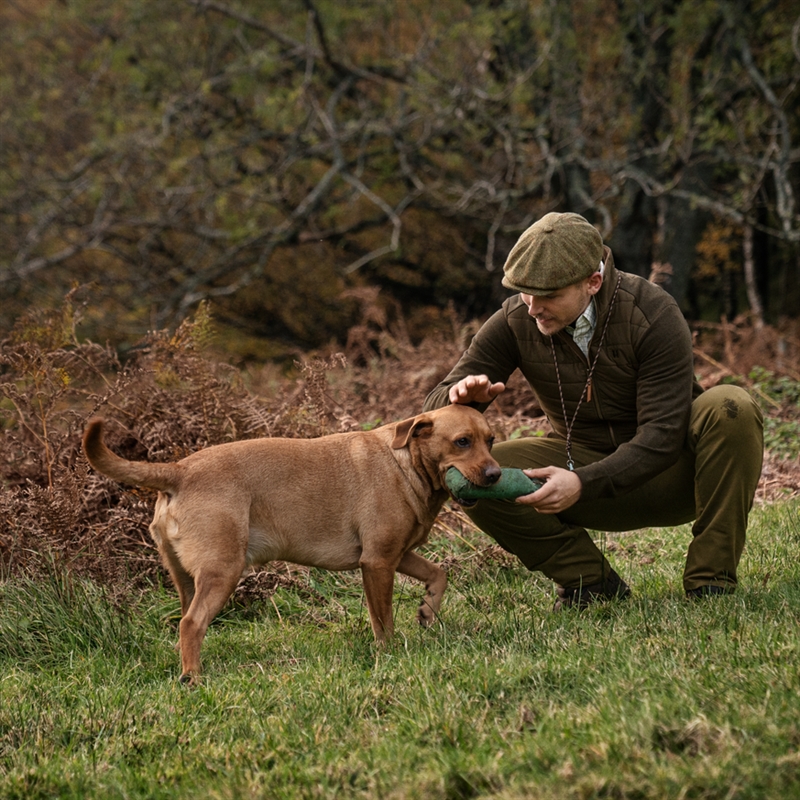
{"x":657,"y":697}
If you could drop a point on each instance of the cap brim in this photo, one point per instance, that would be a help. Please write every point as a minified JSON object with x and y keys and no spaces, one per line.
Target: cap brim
{"x":537,"y":292}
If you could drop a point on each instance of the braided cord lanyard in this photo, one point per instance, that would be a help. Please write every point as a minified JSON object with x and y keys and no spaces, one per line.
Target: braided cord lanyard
{"x":587,"y":387}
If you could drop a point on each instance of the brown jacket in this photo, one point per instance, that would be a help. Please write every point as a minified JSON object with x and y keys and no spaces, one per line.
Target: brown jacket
{"x":642,"y":387}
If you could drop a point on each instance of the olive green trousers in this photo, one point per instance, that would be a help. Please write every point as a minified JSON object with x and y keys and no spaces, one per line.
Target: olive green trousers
{"x":712,"y":483}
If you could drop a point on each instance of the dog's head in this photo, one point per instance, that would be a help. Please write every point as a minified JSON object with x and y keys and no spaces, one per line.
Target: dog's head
{"x":452,"y":436}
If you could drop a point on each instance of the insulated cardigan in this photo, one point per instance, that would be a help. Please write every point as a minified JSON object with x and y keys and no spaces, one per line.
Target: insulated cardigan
{"x":642,"y":387}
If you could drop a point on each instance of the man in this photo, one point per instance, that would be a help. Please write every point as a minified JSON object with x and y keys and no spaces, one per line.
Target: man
{"x":636,"y":441}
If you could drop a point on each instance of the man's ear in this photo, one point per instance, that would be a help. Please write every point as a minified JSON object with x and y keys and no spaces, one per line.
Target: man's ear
{"x":409,"y":429}
{"x":595,"y":281}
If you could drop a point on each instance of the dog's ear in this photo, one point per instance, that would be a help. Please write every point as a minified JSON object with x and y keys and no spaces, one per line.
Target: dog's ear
{"x":410,"y":429}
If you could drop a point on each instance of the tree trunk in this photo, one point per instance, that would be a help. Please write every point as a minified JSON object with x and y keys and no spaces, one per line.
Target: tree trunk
{"x":633,"y":238}
{"x":753,"y":297}
{"x":683,"y":227}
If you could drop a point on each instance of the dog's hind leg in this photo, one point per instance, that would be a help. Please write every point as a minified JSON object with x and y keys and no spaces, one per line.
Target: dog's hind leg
{"x":183,"y":581}
{"x":213,"y":587}
{"x":163,"y":527}
{"x":435,"y":580}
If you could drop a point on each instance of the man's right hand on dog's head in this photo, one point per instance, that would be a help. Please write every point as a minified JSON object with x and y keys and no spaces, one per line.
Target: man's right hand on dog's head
{"x":475,"y":389}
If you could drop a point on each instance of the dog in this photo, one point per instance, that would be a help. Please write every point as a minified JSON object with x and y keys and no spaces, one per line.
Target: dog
{"x":361,"y":500}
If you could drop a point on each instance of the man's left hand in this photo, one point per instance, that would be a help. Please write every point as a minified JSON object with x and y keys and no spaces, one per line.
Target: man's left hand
{"x":561,"y":490}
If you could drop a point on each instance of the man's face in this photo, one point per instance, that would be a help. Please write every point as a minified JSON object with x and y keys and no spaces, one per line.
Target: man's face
{"x":554,"y":312}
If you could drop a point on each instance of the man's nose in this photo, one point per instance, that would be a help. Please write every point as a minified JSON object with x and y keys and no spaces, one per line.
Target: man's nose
{"x":535,"y":307}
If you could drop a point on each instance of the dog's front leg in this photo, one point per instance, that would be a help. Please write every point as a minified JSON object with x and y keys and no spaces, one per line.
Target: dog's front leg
{"x":435,"y":580}
{"x":378,"y":579}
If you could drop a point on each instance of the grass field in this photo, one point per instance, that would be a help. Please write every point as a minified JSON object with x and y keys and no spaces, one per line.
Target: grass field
{"x":656,"y":697}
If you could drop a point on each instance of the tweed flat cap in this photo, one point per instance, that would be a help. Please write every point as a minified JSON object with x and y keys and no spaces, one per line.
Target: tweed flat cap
{"x":556,"y":251}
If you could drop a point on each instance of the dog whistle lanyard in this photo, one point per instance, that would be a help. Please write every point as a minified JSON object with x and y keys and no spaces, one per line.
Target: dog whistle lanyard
{"x":587,"y":389}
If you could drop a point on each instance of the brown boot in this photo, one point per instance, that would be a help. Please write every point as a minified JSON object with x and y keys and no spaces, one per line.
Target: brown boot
{"x":709,"y":590}
{"x":613,"y":587}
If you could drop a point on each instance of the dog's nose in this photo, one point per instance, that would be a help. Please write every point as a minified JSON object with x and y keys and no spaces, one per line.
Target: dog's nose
{"x":492,"y":474}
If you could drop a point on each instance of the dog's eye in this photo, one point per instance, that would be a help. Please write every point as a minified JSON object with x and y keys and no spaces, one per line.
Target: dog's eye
{"x":490,"y":442}
{"x":463,"y":442}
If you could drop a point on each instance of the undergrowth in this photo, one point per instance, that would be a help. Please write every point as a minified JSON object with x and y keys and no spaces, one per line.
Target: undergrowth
{"x":173,"y":394}
{"x":780,"y":399}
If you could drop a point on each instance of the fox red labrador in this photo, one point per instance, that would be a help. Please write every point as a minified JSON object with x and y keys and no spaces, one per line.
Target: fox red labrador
{"x":350,"y":500}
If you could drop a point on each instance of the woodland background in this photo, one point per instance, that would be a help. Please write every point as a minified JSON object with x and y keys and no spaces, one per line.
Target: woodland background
{"x":311,"y":166}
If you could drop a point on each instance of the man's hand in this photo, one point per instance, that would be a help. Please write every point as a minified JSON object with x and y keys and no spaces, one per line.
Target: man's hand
{"x":475,"y":389}
{"x":561,"y":490}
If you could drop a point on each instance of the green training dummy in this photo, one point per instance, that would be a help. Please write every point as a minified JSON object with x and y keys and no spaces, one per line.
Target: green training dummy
{"x":513,"y":483}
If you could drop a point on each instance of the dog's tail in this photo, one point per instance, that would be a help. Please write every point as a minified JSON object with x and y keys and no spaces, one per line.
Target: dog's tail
{"x":164,"y":477}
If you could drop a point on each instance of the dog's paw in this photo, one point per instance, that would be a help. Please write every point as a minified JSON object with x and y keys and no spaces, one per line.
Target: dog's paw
{"x":426,"y":616}
{"x":189,"y":679}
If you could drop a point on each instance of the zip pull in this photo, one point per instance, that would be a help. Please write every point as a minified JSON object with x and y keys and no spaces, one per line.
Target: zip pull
{"x":589,"y":390}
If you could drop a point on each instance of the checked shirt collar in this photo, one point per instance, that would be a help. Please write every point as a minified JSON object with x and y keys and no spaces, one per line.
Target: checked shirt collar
{"x":583,"y":329}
